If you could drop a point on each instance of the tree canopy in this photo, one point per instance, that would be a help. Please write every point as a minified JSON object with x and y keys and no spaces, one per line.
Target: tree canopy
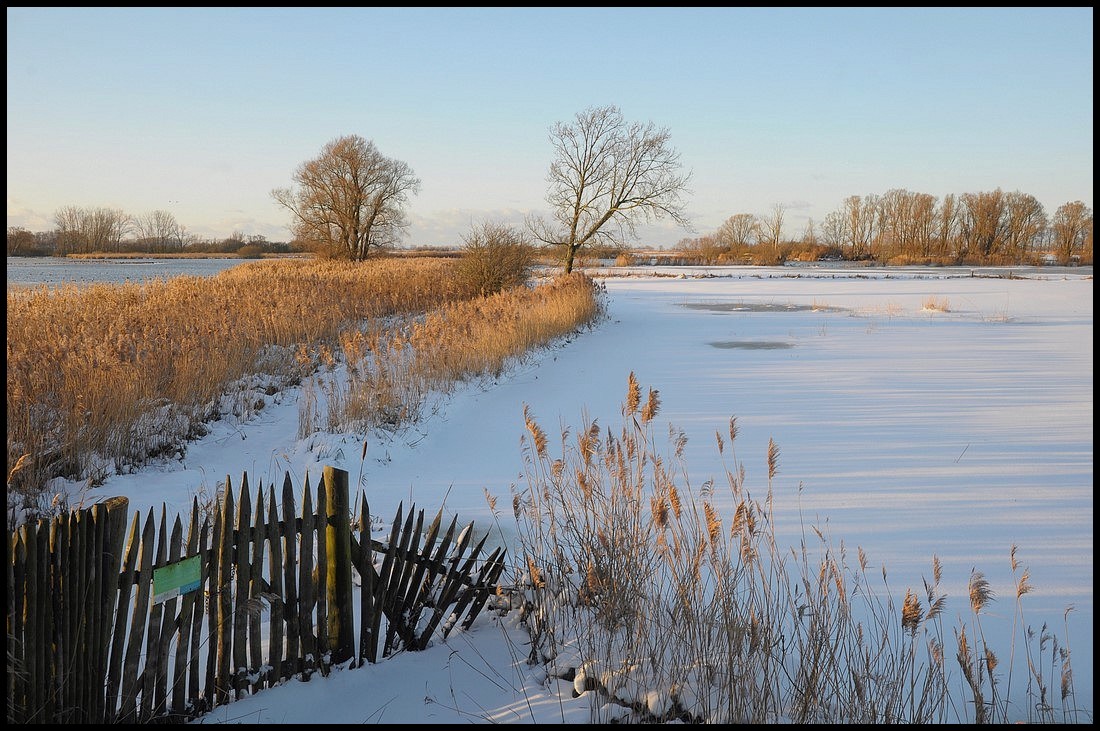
{"x":350,"y":198}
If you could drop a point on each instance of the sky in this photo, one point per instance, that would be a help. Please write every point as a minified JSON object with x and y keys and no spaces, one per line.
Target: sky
{"x":905,"y":431}
{"x":202,"y":112}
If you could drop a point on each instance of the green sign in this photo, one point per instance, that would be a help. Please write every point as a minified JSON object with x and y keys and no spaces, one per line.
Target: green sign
{"x":176,"y":579}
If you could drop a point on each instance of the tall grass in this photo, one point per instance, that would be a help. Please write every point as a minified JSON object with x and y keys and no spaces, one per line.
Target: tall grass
{"x":391,"y":368}
{"x":642,"y":592}
{"x":104,"y":376}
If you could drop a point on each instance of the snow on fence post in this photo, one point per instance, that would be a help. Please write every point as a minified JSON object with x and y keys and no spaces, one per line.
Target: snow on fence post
{"x":341,"y":619}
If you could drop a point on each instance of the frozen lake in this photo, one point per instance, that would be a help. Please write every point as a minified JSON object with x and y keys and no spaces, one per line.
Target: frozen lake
{"x":54,"y":271}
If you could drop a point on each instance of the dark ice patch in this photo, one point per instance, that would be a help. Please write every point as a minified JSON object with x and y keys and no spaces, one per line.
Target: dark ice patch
{"x":750,"y":344}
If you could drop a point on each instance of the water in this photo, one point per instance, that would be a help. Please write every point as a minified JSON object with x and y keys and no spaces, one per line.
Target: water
{"x":56,"y":271}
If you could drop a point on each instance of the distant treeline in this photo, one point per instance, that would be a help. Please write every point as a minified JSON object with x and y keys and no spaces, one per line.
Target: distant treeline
{"x":902,"y":227}
{"x":112,"y":231}
{"x":896,"y":228}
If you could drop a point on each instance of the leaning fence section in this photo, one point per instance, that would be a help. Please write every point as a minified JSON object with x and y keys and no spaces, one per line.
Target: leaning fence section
{"x":167,"y":621}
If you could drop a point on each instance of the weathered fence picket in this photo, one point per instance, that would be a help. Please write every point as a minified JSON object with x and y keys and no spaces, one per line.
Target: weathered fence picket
{"x":275,"y":592}
{"x":91,"y":642}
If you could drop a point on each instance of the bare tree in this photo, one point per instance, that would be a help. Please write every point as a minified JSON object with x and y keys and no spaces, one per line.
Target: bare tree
{"x":1072,"y":230}
{"x":350,"y":198}
{"x":1025,"y":225}
{"x":20,"y":241}
{"x":739,"y":230}
{"x":107,"y":227}
{"x":923,"y":223}
{"x":860,"y":220}
{"x":84,"y":230}
{"x":159,"y":231}
{"x":946,"y":225}
{"x":772,"y":226}
{"x":71,"y":236}
{"x":982,"y":223}
{"x":809,"y":234}
{"x":607,"y":176}
{"x":896,"y":231}
{"x":834,"y":231}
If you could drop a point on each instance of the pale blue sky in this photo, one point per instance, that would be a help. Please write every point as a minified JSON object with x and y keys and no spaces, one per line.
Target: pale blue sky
{"x":203,"y":111}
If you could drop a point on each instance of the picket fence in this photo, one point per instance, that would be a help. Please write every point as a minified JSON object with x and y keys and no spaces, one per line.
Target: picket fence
{"x":246,"y":601}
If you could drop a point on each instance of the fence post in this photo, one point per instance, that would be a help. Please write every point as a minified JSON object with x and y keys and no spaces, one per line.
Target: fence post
{"x":341,"y":621}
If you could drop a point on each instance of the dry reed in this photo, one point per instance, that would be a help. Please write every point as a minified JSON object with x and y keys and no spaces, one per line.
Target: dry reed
{"x":393,"y":367}
{"x":646,"y":601}
{"x":936,"y":304}
{"x":102,"y":377}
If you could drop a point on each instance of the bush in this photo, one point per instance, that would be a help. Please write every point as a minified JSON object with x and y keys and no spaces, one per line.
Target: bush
{"x":495,"y":257}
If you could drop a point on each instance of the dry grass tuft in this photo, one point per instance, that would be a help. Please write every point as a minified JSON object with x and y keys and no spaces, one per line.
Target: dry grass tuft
{"x":936,"y":304}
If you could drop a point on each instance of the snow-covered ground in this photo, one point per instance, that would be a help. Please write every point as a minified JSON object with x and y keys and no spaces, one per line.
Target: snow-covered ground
{"x":918,"y":413}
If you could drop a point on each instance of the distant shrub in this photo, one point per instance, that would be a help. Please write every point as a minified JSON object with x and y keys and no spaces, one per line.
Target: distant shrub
{"x":494,"y":257}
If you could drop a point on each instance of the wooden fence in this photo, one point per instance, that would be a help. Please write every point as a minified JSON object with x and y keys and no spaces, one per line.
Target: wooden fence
{"x":90,"y":641}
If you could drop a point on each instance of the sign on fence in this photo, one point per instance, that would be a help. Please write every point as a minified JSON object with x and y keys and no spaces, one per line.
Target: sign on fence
{"x":176,"y":579}
{"x":86,"y":644}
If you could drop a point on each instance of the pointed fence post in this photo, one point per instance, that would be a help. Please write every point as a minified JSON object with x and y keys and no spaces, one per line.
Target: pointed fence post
{"x":341,"y":620}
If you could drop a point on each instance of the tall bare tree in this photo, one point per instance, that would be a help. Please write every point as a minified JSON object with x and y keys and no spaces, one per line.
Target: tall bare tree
{"x":896,"y":231}
{"x":834,"y":230}
{"x":739,"y":230}
{"x":771,"y":226}
{"x":982,"y":223}
{"x":71,"y":235}
{"x":923,"y":222}
{"x":608,"y":176}
{"x":860,"y":219}
{"x":108,"y":226}
{"x":1025,"y":225}
{"x":350,"y":198}
{"x":946,"y":226}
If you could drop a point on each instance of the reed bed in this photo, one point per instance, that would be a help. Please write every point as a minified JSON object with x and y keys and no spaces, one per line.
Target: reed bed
{"x":391,"y":368}
{"x":641,"y":591}
{"x":102,"y":377}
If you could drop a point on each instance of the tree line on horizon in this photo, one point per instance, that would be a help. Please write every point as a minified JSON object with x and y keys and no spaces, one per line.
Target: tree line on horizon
{"x":903,"y":227}
{"x":607,"y":176}
{"x":113,"y":231}
{"x":899,"y":227}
